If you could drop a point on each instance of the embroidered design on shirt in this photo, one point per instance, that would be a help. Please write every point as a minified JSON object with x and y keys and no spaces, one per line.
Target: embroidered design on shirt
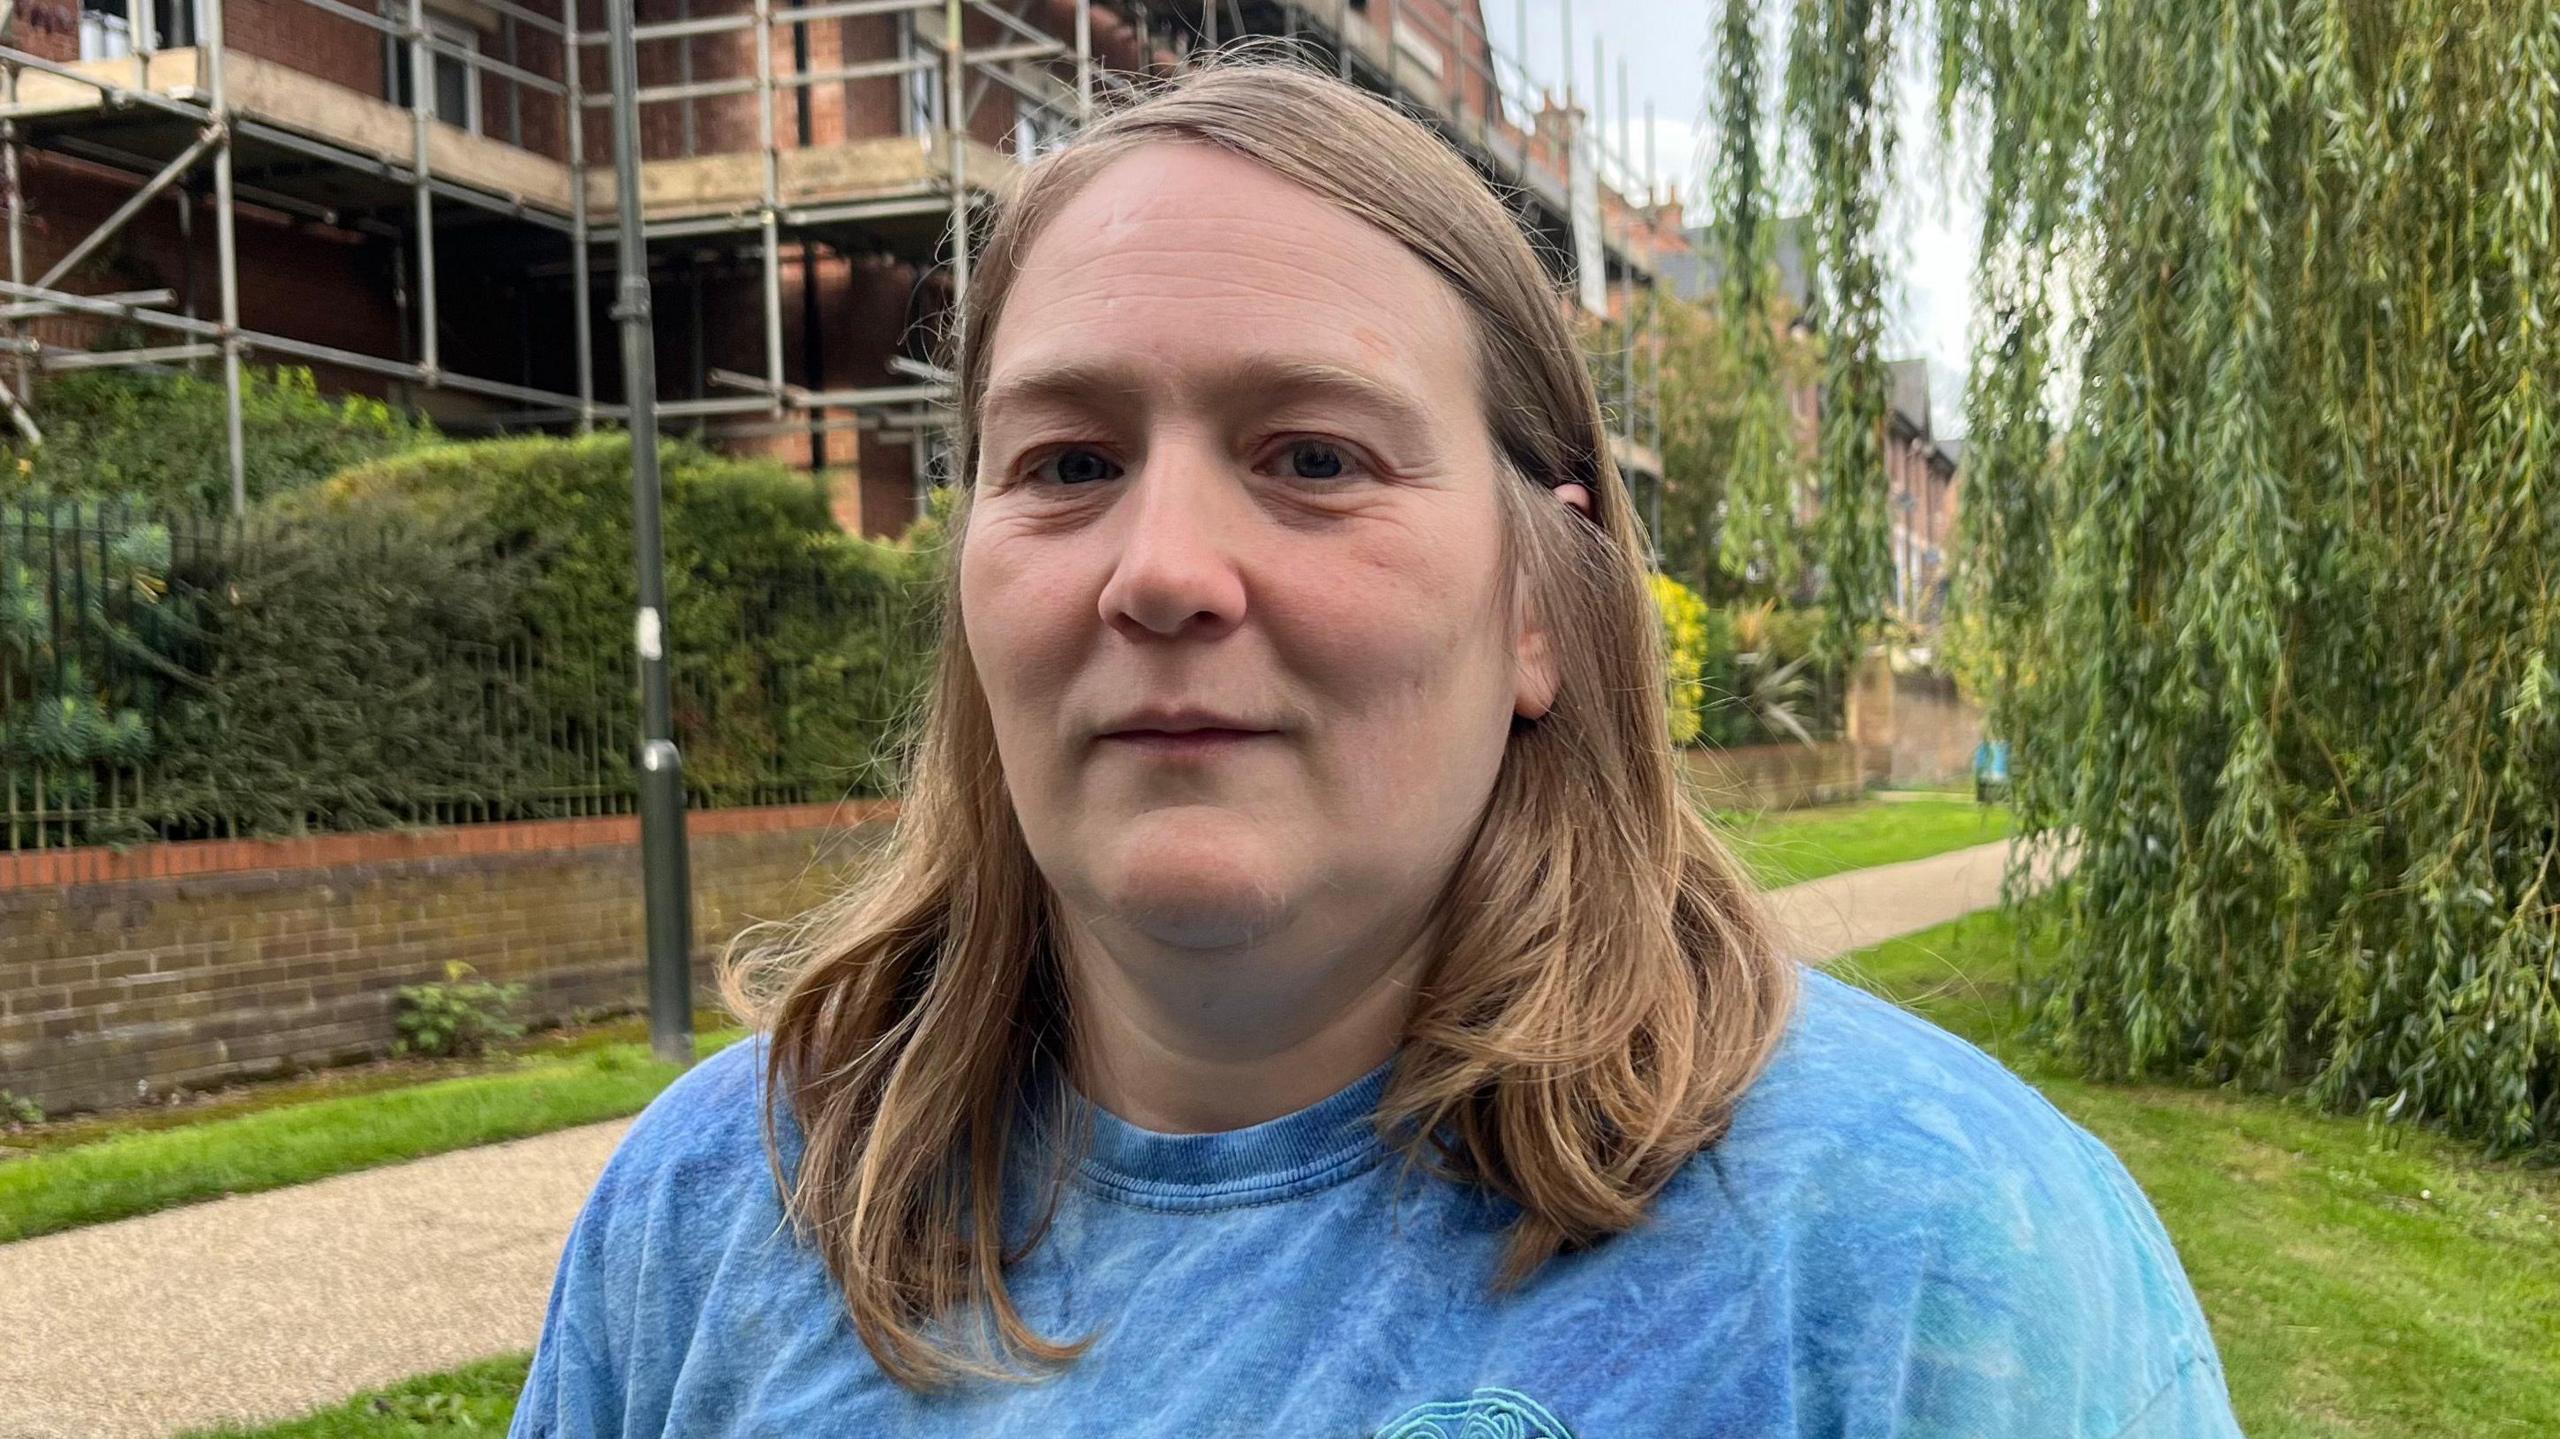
{"x":1485,"y":1414}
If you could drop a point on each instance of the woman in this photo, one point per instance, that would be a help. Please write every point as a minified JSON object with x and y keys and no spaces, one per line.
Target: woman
{"x":1298,"y":998}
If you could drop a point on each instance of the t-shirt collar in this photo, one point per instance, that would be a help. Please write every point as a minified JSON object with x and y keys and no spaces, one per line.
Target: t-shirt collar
{"x":1313,"y":1148}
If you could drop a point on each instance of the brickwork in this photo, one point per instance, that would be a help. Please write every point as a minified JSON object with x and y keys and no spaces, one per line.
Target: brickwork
{"x":1785,"y":776}
{"x":193,"y":964}
{"x":306,"y":281}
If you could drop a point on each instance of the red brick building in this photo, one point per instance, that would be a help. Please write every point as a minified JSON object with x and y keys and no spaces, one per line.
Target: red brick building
{"x":421,"y":194}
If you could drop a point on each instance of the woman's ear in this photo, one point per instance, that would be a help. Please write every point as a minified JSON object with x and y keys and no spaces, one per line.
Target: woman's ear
{"x":1535,"y":673}
{"x":1534,"y":677}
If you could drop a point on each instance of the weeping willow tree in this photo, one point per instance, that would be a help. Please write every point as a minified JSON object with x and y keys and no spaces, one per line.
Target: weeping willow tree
{"x":2263,"y":521}
{"x":1837,"y":56}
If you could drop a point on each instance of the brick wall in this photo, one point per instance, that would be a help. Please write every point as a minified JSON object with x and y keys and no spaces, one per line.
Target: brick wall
{"x":1935,"y":730}
{"x":1785,"y":776}
{"x":1920,"y":721}
{"x":191,"y":964}
{"x":306,"y":281}
{"x":309,"y":39}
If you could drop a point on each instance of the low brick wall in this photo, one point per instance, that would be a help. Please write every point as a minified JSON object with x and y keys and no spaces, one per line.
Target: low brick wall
{"x":1923,"y":723}
{"x":1785,"y":776}
{"x":1934,"y":732}
{"x":191,"y":964}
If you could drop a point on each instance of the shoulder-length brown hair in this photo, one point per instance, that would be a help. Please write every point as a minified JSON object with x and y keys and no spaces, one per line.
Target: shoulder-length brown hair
{"x":1607,"y":985}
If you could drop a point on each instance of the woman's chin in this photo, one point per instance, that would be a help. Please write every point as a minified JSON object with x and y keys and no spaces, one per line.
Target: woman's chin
{"x":1195,"y":890}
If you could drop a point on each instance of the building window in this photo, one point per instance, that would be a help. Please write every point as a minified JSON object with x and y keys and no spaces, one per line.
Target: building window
{"x":108,"y":27}
{"x":106,"y":32}
{"x":457,"y":81}
{"x":922,"y":114}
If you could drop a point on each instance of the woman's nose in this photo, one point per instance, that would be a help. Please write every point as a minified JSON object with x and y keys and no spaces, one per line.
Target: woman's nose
{"x":1175,"y":571}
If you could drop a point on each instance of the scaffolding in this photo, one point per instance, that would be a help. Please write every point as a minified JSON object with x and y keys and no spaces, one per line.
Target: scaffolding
{"x":286,"y":141}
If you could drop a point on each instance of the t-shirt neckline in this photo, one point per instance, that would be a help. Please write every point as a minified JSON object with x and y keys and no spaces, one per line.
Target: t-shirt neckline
{"x":1298,"y":1153}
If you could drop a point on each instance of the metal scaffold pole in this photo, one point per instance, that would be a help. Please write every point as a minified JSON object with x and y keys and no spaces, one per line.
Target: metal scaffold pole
{"x":1084,"y":62}
{"x":15,"y":181}
{"x":226,"y":257}
{"x":667,"y":883}
{"x":955,"y":109}
{"x":422,"y":80}
{"x":575,"y":106}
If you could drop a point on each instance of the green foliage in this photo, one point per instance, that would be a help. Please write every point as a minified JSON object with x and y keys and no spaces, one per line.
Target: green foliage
{"x":799,"y":651}
{"x":1703,"y":403}
{"x":1769,"y":680}
{"x":163,"y":437}
{"x":446,"y":635}
{"x":16,"y":1108}
{"x":459,"y":1017}
{"x":353,"y":667}
{"x":1746,"y":676}
{"x":2262,"y":522}
{"x":1838,"y":96}
{"x":104,"y":622}
{"x":1838,"y":89}
{"x":83,"y":586}
{"x":1756,"y":539}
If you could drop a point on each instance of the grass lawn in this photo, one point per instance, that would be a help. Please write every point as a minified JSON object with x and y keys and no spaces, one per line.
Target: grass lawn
{"x":181,"y":1108}
{"x":2361,"y":1281}
{"x":475,"y":1399}
{"x":1791,"y":846}
{"x":266,"y":1148}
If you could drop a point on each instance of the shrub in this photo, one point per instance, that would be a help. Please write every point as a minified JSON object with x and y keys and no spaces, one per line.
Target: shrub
{"x":458,"y":1017}
{"x":798,"y":650}
{"x":1684,"y":655}
{"x":1748,"y":676}
{"x":163,"y":437}
{"x":359,"y":670}
{"x":445,"y":636}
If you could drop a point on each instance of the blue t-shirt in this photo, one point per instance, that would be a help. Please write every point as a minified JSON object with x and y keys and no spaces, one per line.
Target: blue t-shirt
{"x":1896,"y":1238}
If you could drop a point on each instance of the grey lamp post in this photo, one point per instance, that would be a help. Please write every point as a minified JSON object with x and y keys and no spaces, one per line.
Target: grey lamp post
{"x":665,"y":880}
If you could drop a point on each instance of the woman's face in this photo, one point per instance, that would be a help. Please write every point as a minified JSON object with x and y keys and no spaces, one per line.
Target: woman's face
{"x":1232,"y":576}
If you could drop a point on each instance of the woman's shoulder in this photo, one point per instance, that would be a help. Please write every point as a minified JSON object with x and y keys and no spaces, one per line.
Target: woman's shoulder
{"x":1913,"y":1197}
{"x":1871,"y":1116}
{"x":703,"y":1132}
{"x":1857,"y":1075}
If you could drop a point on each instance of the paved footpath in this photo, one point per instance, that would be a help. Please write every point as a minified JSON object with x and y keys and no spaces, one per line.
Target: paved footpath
{"x":1826,"y":917}
{"x":268,"y":1306}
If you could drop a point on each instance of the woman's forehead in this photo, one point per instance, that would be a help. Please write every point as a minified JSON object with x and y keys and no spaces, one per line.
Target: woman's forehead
{"x":1190,"y":257}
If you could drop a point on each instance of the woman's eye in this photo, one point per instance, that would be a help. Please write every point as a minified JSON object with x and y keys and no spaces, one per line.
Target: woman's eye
{"x":1076,"y":467}
{"x":1317,"y":460}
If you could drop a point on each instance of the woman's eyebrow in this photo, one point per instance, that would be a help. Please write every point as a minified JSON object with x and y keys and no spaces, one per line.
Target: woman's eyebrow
{"x":1264,"y":381}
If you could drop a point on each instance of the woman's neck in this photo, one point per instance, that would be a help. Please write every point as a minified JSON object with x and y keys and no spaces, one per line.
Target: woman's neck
{"x":1200,"y":1041}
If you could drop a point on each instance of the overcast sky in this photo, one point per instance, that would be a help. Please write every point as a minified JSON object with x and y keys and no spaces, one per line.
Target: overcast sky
{"x":1930,"y":223}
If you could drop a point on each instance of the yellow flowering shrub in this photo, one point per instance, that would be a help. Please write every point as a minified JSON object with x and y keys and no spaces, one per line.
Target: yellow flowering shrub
{"x":1684,"y":653}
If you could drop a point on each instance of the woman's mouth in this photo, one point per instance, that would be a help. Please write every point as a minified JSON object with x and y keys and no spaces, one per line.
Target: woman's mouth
{"x":1185,"y":744}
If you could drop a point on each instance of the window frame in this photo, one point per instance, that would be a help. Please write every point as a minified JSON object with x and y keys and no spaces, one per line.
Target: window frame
{"x":461,"y":34}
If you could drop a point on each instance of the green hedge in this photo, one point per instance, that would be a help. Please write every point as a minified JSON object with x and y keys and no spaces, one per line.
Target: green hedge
{"x":440,"y":636}
{"x":162,"y":438}
{"x":799,"y":650}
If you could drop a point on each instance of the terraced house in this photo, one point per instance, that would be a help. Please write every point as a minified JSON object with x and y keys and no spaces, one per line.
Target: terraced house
{"x":416,"y":198}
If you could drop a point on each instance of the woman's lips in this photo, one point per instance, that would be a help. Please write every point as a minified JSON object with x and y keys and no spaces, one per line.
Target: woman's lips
{"x":1186,"y":744}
